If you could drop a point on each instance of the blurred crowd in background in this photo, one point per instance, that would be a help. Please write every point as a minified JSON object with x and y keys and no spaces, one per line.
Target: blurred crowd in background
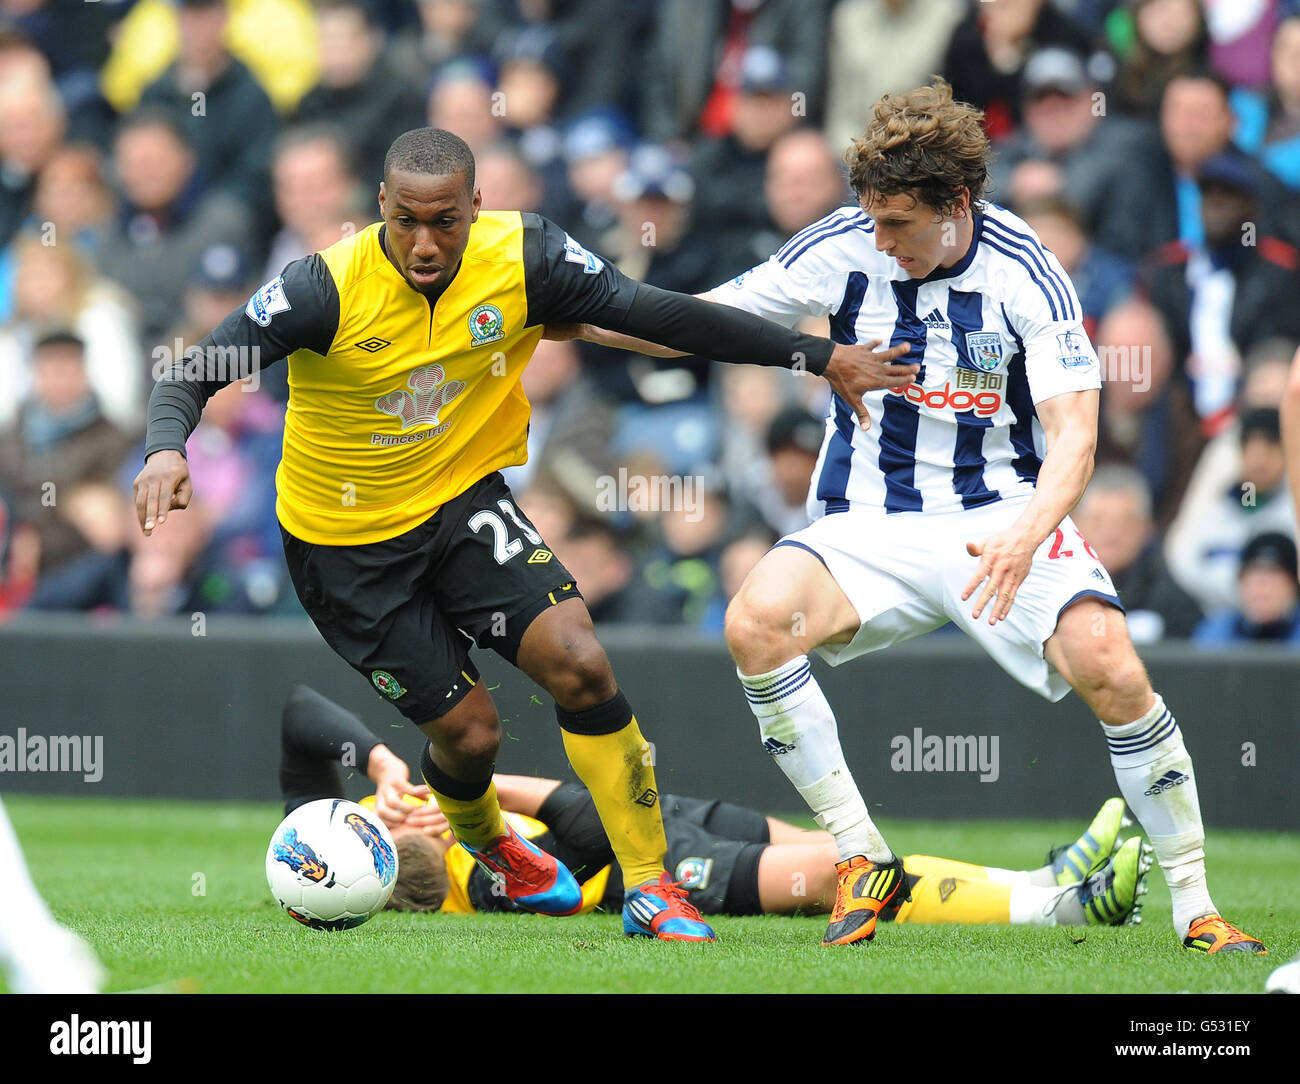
{"x":159,"y":159}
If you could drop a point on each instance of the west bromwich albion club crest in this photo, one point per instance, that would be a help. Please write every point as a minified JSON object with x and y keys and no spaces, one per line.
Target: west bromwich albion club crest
{"x":486,"y":325}
{"x":985,"y":349}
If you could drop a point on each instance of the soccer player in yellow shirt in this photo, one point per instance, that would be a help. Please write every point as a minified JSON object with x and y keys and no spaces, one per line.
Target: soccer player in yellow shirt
{"x":405,"y":346}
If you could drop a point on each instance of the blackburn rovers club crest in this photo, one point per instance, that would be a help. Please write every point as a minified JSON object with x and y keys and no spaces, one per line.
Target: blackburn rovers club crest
{"x":985,"y":349}
{"x":387,"y":684}
{"x":486,"y":325}
{"x":694,"y":872}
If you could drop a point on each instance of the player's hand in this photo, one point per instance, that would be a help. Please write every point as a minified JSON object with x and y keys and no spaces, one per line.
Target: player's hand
{"x":854,"y":370}
{"x":1005,"y":561}
{"x":163,"y":484}
{"x":397,"y":801}
{"x":428,"y":818}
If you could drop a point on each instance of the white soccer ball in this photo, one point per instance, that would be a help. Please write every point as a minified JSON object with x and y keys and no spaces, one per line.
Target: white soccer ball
{"x":331,"y":864}
{"x":1285,"y":979}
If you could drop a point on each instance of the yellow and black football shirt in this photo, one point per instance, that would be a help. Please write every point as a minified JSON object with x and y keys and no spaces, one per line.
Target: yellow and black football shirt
{"x":398,"y":403}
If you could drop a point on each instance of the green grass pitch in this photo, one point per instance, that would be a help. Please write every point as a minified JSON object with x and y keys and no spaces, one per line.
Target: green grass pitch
{"x":176,"y":891}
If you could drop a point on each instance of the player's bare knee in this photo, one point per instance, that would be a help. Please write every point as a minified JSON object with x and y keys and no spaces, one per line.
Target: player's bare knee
{"x":477,"y":743}
{"x":579,"y":675}
{"x":760,"y":629}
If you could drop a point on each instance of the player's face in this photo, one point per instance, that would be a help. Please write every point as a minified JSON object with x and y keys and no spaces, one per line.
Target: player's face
{"x":428,"y":220}
{"x":915,"y":235}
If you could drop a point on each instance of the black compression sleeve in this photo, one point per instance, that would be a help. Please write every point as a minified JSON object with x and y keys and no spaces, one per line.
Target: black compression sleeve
{"x":717,"y":331}
{"x":567,"y":284}
{"x":296,"y":309}
{"x":316,"y":736}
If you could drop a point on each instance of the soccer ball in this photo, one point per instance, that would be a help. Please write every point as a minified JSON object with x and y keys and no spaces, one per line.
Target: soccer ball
{"x":331,"y":864}
{"x":1285,"y":979}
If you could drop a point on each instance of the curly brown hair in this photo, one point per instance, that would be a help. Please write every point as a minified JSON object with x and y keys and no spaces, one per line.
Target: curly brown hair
{"x":923,"y":144}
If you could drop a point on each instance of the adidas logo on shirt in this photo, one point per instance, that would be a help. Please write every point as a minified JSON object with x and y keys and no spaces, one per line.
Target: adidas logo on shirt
{"x":935,"y":320}
{"x":1166,"y":782}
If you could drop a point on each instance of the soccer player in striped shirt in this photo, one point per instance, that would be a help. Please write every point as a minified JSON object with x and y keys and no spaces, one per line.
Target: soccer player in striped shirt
{"x":949,"y":499}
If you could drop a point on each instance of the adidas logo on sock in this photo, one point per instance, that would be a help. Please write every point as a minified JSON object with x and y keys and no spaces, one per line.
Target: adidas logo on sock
{"x":776,"y":748}
{"x":935,"y":320}
{"x":1166,"y":782}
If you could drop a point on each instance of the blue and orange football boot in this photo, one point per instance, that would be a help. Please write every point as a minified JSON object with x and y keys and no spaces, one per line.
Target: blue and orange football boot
{"x":662,"y":910}
{"x":530,"y":877}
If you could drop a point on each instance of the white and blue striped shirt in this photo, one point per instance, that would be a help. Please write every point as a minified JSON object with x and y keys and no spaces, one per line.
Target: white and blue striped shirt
{"x":994,"y":334}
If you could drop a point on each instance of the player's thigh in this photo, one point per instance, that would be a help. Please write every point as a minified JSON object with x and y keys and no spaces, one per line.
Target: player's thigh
{"x":371,"y":606}
{"x":491,"y":571}
{"x":790,"y":592}
{"x":1092,"y":650}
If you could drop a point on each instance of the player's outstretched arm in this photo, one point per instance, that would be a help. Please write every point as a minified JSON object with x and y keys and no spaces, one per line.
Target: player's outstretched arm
{"x":523,"y":793}
{"x":299,"y":308}
{"x":1070,"y":426}
{"x":566,"y":284}
{"x":851,"y":371}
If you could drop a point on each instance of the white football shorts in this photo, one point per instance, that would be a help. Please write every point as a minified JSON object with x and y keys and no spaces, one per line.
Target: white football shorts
{"x":905,"y":572}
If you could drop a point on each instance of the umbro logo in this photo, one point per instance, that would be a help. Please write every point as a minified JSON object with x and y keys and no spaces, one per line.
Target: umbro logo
{"x":373,"y":344}
{"x":935,"y":320}
{"x":776,"y":747}
{"x":1166,"y":782}
{"x":648,"y":797}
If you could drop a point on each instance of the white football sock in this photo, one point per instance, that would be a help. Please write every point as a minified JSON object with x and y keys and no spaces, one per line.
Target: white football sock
{"x":1035,"y":905}
{"x":798,"y":730}
{"x":1155,"y":776}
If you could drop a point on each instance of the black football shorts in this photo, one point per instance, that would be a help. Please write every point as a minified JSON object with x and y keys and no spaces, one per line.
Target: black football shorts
{"x":404,"y":612}
{"x":713,"y":847}
{"x":713,"y":850}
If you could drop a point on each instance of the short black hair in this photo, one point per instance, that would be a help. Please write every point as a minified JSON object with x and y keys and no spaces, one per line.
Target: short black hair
{"x":433,"y":151}
{"x":1264,"y":421}
{"x":1202,"y":74}
{"x":59,"y":337}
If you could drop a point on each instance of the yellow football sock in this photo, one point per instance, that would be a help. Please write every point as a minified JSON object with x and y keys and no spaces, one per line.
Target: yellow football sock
{"x":949,"y":891}
{"x":476,"y":822}
{"x":618,"y":769}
